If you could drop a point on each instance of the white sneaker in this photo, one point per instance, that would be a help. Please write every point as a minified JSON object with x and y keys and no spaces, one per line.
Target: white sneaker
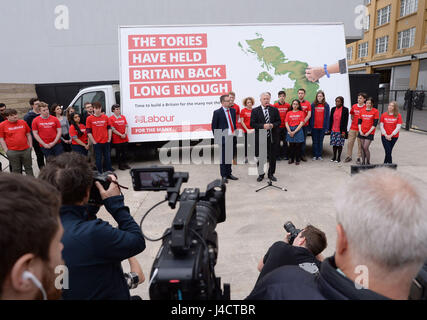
{"x":314,"y":158}
{"x":320,"y":158}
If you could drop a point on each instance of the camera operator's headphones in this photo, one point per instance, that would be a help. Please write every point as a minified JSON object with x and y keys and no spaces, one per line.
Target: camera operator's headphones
{"x":27,"y":275}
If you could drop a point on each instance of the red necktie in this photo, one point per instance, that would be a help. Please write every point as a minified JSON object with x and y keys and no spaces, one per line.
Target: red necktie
{"x":231,"y":122}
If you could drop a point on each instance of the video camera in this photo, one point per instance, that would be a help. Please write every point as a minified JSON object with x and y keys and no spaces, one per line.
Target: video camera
{"x":184,"y":265}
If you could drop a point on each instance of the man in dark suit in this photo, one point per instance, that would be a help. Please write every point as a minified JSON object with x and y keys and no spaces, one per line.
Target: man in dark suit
{"x":268,"y":118}
{"x":223,"y":128}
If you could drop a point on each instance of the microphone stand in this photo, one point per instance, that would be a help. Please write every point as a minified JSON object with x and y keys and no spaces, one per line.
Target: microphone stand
{"x":270,"y":183}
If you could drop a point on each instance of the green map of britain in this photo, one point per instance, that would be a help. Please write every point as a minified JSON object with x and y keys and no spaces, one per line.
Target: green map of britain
{"x":274,"y":62}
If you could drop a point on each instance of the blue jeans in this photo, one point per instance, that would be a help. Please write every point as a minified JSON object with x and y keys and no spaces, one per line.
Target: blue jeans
{"x":102,"y":150}
{"x":317,"y":135}
{"x":388,"y":148}
{"x":56,"y":150}
{"x":79,"y":149}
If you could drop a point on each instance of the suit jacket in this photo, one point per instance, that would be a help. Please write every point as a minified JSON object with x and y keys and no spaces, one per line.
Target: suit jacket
{"x":219,"y":121}
{"x":258,"y":121}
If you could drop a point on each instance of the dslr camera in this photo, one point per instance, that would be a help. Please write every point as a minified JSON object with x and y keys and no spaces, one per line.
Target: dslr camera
{"x":184,"y":266}
{"x":105,"y":181}
{"x":290,"y":228}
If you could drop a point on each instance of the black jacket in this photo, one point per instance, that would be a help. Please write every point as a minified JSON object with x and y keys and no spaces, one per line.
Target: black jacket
{"x":258,"y":121}
{"x":344,"y":120}
{"x":93,"y":251}
{"x":293,"y":283}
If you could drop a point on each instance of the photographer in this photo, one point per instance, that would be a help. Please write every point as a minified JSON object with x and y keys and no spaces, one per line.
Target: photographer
{"x":309,"y":243}
{"x":93,"y":249}
{"x":380,"y":246}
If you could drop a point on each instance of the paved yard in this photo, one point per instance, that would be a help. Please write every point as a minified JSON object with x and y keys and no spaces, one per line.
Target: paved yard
{"x":255,"y":220}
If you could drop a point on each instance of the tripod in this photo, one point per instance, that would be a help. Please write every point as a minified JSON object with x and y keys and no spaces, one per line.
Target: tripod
{"x":270,"y":184}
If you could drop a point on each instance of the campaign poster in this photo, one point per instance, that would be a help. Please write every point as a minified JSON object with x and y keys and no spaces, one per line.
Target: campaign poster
{"x":172,"y":77}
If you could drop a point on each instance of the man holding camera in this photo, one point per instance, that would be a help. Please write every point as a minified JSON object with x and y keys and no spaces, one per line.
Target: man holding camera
{"x":380,"y":246}
{"x":93,"y":249}
{"x":301,"y":251}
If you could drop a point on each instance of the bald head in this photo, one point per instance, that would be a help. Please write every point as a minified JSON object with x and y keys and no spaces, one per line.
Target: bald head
{"x":383,"y":214}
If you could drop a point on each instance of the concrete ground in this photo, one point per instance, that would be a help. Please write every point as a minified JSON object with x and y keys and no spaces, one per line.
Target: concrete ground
{"x":255,"y":220}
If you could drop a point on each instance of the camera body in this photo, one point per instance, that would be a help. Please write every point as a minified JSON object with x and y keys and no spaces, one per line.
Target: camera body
{"x":290,"y":228}
{"x":184,"y":265}
{"x":105,"y":181}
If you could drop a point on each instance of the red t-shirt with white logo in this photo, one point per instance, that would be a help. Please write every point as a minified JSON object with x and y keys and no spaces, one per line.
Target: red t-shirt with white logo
{"x":294,"y":118}
{"x":368,"y":118}
{"x":306,"y":108}
{"x":74,"y":133}
{"x":283,"y":110}
{"x":237,"y":108}
{"x":15,"y":134}
{"x":120,"y":125}
{"x":390,"y":123}
{"x":319,"y":116}
{"x":99,"y":126}
{"x":245,"y":114}
{"x":46,"y":128}
{"x":355,"y":111}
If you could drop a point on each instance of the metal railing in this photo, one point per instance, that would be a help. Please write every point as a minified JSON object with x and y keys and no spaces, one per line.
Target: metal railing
{"x":412,"y":106}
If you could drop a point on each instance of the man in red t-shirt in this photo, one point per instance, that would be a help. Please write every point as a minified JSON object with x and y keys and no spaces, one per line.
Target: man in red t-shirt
{"x":16,"y":141}
{"x":47,"y":131}
{"x":306,"y":108}
{"x":99,"y":132}
{"x":119,"y":128}
{"x":282,"y":152}
{"x":354,"y":129}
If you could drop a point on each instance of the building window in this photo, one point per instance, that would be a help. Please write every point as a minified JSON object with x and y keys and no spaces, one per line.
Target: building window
{"x":349,"y":53}
{"x":363,"y":50}
{"x":367,"y":22}
{"x":406,"y":38}
{"x":381,"y":45}
{"x":383,"y":15}
{"x":408,"y":7}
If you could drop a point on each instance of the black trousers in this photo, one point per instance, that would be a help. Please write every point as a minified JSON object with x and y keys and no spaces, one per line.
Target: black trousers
{"x":295,"y":150}
{"x":225,"y":165}
{"x":121,"y":151}
{"x":271,"y":158}
{"x":39,"y":153}
{"x":282,"y":150}
{"x":388,"y":148}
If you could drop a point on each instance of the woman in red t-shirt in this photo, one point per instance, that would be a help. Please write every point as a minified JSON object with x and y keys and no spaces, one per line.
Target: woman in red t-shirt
{"x":390,"y":124}
{"x":294,"y":122}
{"x":319,"y":123}
{"x":368,"y":120}
{"x":245,"y":121}
{"x":338,"y":124}
{"x":78,"y":135}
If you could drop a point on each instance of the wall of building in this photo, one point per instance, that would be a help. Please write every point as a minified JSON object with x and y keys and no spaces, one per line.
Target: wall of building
{"x":37,"y":46}
{"x":422,"y":77}
{"x":393,"y":55}
{"x":400,"y":77}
